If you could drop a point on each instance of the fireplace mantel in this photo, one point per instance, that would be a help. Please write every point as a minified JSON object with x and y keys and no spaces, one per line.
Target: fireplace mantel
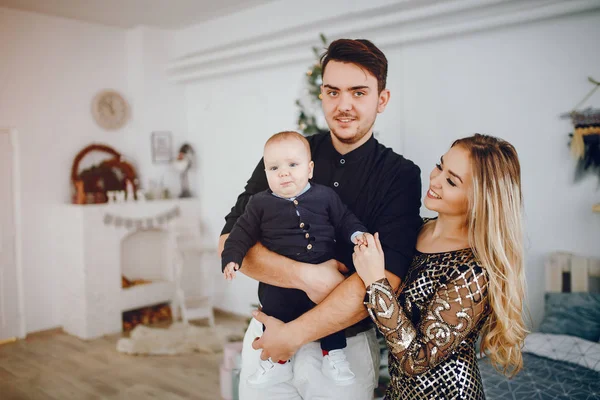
{"x":89,"y":256}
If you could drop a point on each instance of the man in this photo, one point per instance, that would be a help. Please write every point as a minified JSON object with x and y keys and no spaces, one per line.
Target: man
{"x":382,"y":189}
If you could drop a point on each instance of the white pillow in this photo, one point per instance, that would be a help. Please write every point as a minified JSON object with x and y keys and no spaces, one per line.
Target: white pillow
{"x":564,"y":348}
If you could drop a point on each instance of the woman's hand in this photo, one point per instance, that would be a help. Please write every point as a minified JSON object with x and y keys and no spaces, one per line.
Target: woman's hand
{"x":369,"y":260}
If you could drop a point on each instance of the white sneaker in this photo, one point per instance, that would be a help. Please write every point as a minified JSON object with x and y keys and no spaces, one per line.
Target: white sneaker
{"x":337,"y":368}
{"x":270,"y":373}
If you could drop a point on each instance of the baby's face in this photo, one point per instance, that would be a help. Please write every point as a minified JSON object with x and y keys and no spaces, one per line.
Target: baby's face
{"x":288,"y":167}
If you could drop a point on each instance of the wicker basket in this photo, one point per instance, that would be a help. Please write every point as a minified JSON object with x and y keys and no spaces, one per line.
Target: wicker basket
{"x":91,"y":185}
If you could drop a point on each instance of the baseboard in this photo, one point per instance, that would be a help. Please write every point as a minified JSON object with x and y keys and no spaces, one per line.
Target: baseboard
{"x":44,"y":332}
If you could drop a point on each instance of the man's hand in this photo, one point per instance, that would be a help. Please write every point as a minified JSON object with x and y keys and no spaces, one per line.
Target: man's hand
{"x":278,"y":342}
{"x":318,"y":280}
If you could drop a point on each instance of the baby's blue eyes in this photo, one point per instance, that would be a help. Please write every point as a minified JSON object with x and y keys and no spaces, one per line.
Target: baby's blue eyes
{"x":292,"y":165}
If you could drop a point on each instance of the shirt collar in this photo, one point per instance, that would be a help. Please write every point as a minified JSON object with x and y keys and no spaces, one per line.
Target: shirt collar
{"x":293,"y":198}
{"x":356,"y":154}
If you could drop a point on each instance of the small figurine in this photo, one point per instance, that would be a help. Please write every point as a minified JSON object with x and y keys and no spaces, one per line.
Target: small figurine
{"x":183,"y":164}
{"x":111,"y":194}
{"x":129,"y":190}
{"x":140,"y":196}
{"x":120,"y":196}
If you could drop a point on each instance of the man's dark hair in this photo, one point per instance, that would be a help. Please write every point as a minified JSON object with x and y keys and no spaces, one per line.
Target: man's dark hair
{"x":360,"y":52}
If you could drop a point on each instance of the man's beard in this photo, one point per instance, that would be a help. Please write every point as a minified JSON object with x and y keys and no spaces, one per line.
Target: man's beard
{"x":357,"y":137}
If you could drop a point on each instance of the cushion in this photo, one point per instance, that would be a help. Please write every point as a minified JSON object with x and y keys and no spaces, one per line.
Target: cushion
{"x":575,"y":314}
{"x":564,"y":348}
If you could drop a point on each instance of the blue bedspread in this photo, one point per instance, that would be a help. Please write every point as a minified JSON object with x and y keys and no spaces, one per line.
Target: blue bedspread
{"x":541,"y":378}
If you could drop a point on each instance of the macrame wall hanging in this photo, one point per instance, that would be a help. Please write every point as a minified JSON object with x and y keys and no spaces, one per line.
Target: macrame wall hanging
{"x":585,"y":139}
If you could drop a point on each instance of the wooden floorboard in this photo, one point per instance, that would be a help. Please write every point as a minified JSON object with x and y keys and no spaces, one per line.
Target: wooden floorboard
{"x":56,"y":366}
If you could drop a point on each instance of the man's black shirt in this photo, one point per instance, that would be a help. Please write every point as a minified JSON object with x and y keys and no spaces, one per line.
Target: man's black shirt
{"x":382,"y":188}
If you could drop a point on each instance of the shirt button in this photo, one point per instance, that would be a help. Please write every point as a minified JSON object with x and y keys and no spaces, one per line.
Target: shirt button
{"x":336,"y":184}
{"x":295,"y":202}
{"x":309,"y":246}
{"x":342,"y":161}
{"x":307,"y":235}
{"x":301,"y":224}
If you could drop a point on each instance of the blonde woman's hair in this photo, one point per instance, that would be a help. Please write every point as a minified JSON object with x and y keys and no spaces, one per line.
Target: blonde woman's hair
{"x":496,"y":235}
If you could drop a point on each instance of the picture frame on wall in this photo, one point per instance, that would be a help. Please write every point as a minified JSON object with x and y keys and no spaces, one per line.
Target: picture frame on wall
{"x":162,"y":147}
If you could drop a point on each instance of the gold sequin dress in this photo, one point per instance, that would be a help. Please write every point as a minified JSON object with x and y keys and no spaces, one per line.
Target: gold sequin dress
{"x":431,"y":325}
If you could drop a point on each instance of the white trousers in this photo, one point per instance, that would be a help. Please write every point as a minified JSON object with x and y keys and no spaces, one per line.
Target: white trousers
{"x":309,"y":383}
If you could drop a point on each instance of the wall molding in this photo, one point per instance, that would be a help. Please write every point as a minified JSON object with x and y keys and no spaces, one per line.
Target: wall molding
{"x":402,"y":23}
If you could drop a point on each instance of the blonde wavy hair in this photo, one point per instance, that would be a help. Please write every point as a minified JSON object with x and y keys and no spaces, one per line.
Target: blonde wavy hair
{"x":496,"y":236}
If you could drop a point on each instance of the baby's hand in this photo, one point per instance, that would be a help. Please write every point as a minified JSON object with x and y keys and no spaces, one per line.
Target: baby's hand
{"x":360,"y":239}
{"x":229,"y":270}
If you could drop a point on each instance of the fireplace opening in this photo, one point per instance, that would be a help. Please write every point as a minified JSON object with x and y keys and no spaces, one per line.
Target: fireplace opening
{"x":152,"y":315}
{"x":145,"y":256}
{"x":146,"y":278}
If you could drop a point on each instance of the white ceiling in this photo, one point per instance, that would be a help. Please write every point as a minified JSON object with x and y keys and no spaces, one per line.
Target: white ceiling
{"x":129,"y":13}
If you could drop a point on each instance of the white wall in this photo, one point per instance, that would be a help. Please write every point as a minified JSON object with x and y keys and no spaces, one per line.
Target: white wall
{"x":49,"y":73}
{"x":51,"y":68}
{"x":231,"y":118}
{"x":158,"y":104}
{"x":513,"y":83}
{"x":512,"y":80}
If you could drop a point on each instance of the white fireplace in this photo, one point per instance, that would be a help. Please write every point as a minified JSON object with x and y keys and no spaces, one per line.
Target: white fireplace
{"x":99,"y":243}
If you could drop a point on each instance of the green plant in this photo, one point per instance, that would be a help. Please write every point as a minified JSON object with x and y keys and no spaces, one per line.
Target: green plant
{"x":309,"y":105}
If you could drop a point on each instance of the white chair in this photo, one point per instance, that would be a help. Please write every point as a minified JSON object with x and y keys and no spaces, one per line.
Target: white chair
{"x":194,"y":264}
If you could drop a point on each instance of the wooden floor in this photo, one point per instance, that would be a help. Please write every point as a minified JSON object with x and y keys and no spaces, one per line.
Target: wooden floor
{"x":54,"y":365}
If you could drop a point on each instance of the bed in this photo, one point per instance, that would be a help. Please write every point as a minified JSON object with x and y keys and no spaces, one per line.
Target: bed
{"x":573,"y":374}
{"x":562,"y":360}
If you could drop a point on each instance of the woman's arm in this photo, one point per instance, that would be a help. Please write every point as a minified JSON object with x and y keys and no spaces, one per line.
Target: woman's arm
{"x":451,"y":315}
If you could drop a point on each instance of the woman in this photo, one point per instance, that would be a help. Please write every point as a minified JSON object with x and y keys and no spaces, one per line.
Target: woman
{"x":466,"y":278}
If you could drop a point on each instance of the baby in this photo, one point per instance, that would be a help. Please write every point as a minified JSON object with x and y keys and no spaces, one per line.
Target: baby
{"x":299,"y":220}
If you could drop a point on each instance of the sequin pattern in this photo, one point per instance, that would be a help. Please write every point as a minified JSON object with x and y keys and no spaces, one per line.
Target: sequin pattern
{"x":431,"y":326}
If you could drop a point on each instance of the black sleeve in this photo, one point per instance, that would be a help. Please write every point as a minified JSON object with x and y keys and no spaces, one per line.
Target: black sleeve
{"x":399,"y":222}
{"x":256,"y":183}
{"x":245,"y":233}
{"x":344,"y":221}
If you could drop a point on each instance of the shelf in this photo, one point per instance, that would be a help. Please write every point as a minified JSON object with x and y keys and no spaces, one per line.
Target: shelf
{"x":145,"y":295}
